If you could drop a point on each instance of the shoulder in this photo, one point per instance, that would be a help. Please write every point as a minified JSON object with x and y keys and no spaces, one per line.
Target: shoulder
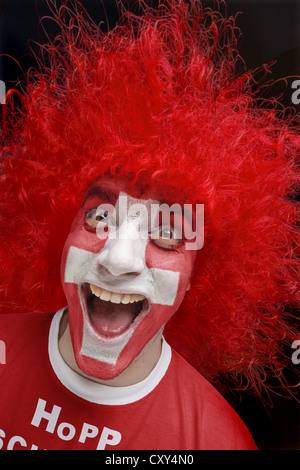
{"x":221,"y":427}
{"x":25,"y":318}
{"x":20,"y":326}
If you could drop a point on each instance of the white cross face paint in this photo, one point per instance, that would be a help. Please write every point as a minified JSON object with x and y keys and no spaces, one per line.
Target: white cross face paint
{"x":121,"y":290}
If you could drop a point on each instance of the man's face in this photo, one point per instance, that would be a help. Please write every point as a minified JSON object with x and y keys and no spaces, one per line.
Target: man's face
{"x":125,"y":271}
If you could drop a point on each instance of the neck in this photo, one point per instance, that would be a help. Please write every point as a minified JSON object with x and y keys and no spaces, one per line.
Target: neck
{"x":136,"y":372}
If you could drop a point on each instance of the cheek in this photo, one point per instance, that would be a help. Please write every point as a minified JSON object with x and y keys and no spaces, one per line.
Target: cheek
{"x":79,"y":237}
{"x":180,"y":261}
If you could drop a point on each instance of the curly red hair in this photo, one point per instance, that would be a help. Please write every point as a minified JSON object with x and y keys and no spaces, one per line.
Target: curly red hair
{"x":164,"y":100}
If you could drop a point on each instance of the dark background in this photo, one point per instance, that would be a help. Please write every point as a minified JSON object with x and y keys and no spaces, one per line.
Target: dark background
{"x":271,"y":30}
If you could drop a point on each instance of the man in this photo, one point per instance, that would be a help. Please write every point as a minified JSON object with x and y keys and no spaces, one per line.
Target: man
{"x":118,"y":384}
{"x":123,"y":285}
{"x":117,"y":129}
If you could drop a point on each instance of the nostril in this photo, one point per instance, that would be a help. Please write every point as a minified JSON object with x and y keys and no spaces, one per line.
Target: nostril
{"x":121,"y":268}
{"x":107,"y":271}
{"x":112,"y":272}
{"x":120,"y":262}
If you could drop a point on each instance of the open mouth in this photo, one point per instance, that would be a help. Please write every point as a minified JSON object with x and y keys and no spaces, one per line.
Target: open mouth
{"x":110,"y":313}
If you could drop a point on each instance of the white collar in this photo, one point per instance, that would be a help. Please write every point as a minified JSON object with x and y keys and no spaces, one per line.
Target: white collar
{"x":98,"y":393}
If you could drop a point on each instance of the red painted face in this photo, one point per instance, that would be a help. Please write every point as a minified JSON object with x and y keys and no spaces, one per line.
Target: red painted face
{"x":124,"y":272}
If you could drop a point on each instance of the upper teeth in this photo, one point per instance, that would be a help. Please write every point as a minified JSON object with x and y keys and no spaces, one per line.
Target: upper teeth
{"x":115,"y":297}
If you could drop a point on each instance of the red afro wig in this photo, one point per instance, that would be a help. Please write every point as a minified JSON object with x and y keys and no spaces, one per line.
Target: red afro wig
{"x":163,"y":100}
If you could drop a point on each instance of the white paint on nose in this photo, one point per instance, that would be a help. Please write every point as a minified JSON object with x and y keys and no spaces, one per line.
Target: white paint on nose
{"x":125,"y":253}
{"x":124,"y":249}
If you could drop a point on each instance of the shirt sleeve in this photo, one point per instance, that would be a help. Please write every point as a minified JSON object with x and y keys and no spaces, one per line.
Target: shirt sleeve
{"x":222,"y":428}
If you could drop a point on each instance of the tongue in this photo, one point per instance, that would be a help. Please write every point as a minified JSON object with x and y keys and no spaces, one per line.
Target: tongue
{"x":111,"y":319}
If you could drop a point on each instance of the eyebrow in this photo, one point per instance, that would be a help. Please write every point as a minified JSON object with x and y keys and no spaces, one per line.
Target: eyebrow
{"x":105,"y":195}
{"x":110,"y":196}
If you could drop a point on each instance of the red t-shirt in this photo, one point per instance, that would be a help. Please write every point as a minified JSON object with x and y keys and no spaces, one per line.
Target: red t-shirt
{"x":46,"y":405}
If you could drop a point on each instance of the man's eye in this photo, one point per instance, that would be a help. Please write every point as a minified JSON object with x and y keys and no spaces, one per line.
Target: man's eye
{"x":96,"y":217}
{"x":167,"y":233}
{"x":166,"y":237}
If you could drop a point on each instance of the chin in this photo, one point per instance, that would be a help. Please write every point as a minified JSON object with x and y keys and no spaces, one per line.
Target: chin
{"x":108,"y":336}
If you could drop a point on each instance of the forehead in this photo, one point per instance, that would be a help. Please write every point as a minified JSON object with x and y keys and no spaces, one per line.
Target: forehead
{"x":110,"y":189}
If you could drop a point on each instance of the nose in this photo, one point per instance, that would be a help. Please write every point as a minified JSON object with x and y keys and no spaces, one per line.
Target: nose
{"x":123,"y":254}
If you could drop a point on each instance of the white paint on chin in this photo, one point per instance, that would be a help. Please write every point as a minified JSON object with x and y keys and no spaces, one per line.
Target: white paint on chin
{"x":105,"y":350}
